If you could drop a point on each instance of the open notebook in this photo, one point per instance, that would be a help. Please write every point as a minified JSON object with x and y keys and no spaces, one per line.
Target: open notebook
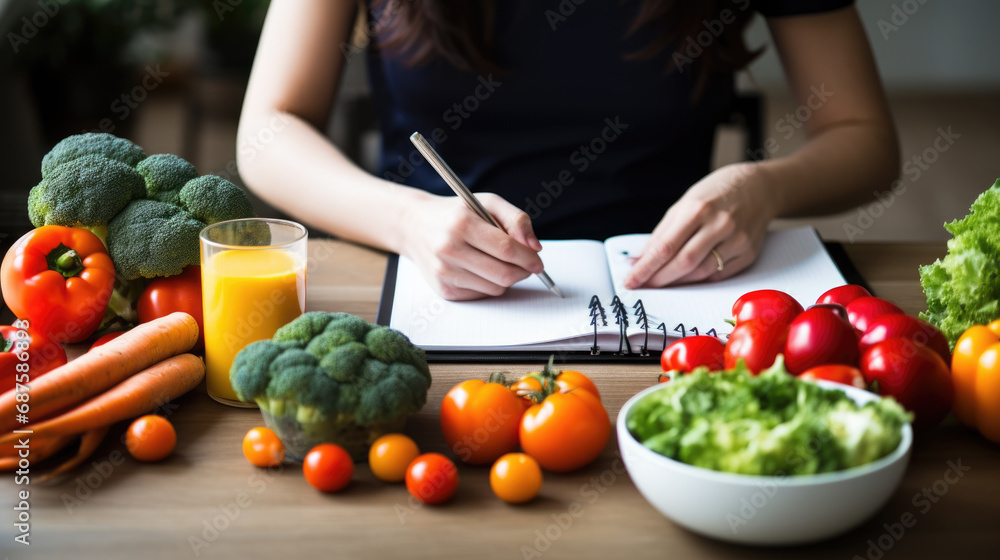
{"x":530,"y":318}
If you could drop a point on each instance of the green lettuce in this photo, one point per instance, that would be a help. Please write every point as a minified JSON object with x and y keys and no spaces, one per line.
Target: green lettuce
{"x":771,"y":424}
{"x":963,"y":288}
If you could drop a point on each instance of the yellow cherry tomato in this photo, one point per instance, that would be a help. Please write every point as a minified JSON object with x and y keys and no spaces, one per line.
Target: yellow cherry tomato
{"x":516,"y":478}
{"x":263,"y":448}
{"x":389,"y":456}
{"x":964,"y":364}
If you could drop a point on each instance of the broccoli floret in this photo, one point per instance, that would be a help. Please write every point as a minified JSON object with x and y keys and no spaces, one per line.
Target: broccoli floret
{"x":165,"y":176}
{"x":211,"y":199}
{"x":150,"y":238}
{"x":87,"y":191}
{"x":91,"y":143}
{"x":333,"y":377}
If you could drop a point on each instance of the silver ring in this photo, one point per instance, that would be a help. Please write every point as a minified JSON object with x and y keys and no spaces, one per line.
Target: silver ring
{"x":718,"y":259}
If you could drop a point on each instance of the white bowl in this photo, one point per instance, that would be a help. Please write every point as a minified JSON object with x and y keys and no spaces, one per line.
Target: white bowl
{"x":763,"y":510}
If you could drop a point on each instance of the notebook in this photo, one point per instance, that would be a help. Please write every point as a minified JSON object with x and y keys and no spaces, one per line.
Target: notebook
{"x":528,"y":318}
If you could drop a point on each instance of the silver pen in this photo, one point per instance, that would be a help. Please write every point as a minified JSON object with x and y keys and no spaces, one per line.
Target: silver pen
{"x":456,"y":184}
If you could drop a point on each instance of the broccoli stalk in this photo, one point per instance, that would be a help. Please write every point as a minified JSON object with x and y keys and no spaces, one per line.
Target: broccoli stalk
{"x":332,"y":377}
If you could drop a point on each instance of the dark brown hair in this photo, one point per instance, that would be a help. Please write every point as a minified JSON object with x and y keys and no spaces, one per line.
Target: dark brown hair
{"x":461,"y":32}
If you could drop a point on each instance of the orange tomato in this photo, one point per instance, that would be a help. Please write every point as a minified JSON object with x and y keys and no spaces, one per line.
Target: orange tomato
{"x":480,"y":420}
{"x":964,"y":365}
{"x":565,"y":431}
{"x":389,"y":456}
{"x":565,"y":380}
{"x":516,"y":478}
{"x":263,"y":448}
{"x":150,"y":438}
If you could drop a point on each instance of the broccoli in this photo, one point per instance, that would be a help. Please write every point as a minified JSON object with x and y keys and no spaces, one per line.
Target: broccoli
{"x":213,"y":199}
{"x":91,"y":143}
{"x":165,"y":176}
{"x":150,"y":238}
{"x":332,"y":377}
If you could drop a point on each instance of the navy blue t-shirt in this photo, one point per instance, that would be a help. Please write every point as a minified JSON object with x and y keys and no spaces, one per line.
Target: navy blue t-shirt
{"x":588,"y":143}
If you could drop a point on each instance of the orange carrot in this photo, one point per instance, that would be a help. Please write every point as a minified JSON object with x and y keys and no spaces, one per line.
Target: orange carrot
{"x":88,"y":444}
{"x":102,"y":367}
{"x":38,"y":450}
{"x":141,"y":393}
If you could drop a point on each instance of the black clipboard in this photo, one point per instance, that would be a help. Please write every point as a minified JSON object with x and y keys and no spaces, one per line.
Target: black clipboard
{"x":835,"y":250}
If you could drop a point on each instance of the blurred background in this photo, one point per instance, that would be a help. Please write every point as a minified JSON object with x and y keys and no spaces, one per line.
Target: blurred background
{"x":171,"y":74}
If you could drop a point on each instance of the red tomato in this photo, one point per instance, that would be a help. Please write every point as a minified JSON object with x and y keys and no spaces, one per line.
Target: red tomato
{"x":480,"y":420}
{"x":757,"y":342}
{"x":843,"y":295}
{"x":837,"y":373}
{"x":328,"y":467}
{"x":820,"y":336}
{"x":914,"y":375}
{"x":771,"y":305}
{"x":900,"y":325}
{"x":263,"y":448}
{"x":106,"y":339}
{"x":163,"y":296}
{"x":862,"y":311}
{"x":566,"y":431}
{"x":693,"y":351}
{"x":432,"y":478}
{"x":150,"y":438}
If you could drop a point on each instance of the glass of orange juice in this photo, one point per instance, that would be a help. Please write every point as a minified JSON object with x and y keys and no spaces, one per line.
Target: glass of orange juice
{"x":253,"y":281}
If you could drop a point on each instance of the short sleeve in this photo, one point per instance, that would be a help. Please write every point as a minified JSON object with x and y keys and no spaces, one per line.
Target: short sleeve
{"x":782,"y":8}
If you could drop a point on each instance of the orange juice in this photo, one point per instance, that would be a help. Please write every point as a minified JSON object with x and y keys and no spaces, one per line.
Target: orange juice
{"x":248,"y":294}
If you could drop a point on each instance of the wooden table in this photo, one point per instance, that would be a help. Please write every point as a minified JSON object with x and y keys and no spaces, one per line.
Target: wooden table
{"x":207,"y":501}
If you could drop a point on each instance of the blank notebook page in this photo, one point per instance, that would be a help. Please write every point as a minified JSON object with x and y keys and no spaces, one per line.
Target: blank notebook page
{"x":527,"y":313}
{"x":791,"y":260}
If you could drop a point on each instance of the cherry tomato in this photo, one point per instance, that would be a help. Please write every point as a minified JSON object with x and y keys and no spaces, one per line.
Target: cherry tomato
{"x":263,"y":448}
{"x":900,"y":325}
{"x":843,"y":295}
{"x":914,"y":375}
{"x":106,"y":339}
{"x":565,"y":431}
{"x":693,"y":351}
{"x":480,"y":420}
{"x":516,"y":478}
{"x":566,"y":381}
{"x":390,"y":455}
{"x":432,"y":478}
{"x":150,"y":438}
{"x":757,"y":342}
{"x":964,"y":365}
{"x":862,"y":311}
{"x":837,"y":373}
{"x":770,"y":305}
{"x":819,"y":335}
{"x":182,"y":292}
{"x":328,"y":467}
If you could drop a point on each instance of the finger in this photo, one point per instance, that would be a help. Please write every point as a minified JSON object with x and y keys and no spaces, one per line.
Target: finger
{"x":742,"y":254}
{"x":475,"y":261}
{"x":502,"y":247}
{"x":456,"y":284}
{"x":736,"y":265}
{"x":705,"y":269}
{"x":694,"y":253}
{"x":512,"y":219}
{"x":663,"y":245}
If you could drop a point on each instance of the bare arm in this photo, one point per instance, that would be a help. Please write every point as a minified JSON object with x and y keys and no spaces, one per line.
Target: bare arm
{"x":851,"y":151}
{"x":288,"y":162}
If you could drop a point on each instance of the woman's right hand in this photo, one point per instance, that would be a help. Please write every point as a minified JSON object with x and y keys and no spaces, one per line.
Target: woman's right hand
{"x":461,"y":255}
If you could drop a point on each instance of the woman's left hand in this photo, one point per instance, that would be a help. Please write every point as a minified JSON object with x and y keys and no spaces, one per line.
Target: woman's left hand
{"x":727,"y":211}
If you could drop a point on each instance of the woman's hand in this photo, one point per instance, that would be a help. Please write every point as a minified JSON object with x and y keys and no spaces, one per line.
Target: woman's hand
{"x":727,"y":211}
{"x":461,"y":255}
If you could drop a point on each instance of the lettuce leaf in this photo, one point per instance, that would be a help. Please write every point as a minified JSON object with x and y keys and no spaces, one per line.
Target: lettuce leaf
{"x":963,"y":288}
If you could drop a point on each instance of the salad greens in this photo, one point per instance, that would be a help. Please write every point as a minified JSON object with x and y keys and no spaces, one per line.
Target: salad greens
{"x":963,"y":288}
{"x":770,"y":424}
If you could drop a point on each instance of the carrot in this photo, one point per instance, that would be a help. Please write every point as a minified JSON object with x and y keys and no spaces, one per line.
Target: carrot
{"x":141,"y":393}
{"x":102,"y":367}
{"x":38,"y":450}
{"x":88,"y":444}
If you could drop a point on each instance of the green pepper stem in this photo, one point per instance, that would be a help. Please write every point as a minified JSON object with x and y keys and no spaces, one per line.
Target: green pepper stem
{"x":65,"y":261}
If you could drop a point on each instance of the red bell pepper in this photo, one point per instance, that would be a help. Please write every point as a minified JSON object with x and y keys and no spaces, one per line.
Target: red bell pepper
{"x":60,"y":279}
{"x":182,"y":292}
{"x":26,"y":352}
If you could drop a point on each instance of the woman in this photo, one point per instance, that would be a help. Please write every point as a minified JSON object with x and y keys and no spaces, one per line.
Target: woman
{"x":595,"y":118}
